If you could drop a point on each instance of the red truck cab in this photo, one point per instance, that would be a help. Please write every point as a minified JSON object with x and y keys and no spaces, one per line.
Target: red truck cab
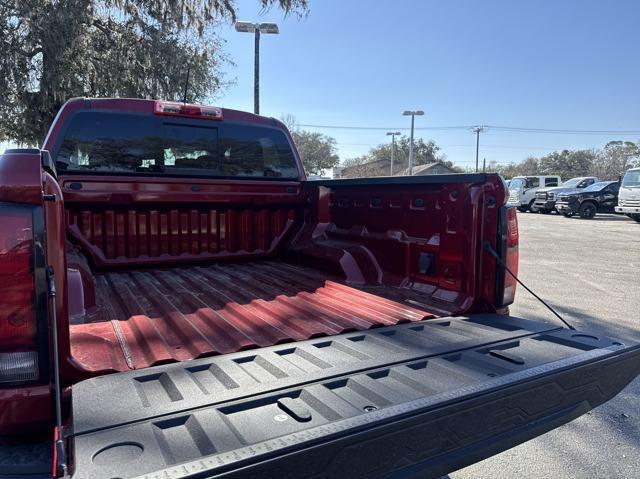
{"x":171,"y":262}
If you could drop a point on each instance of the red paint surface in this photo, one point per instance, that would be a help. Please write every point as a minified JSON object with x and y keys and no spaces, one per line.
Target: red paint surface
{"x":55,"y":247}
{"x":357,"y":269}
{"x":20,"y":178}
{"x":24,"y":410}
{"x":369,"y":237}
{"x":159,"y":316}
{"x":154,"y":258}
{"x":151,"y":221}
{"x":375,"y":234}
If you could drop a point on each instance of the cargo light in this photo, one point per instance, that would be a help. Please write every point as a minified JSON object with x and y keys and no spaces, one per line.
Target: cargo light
{"x":18,"y":324}
{"x":172,"y":108}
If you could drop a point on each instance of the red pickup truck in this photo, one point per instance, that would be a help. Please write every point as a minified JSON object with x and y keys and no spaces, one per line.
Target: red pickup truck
{"x":193,"y":307}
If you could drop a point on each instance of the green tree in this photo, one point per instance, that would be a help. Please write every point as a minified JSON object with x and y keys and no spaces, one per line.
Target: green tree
{"x":358,"y":160}
{"x":317,"y":151}
{"x":54,"y":50}
{"x":530,"y":166}
{"x":608,"y":163}
{"x":567,"y":163}
{"x":290,"y":121}
{"x":424,"y":152}
{"x":615,"y":158}
{"x":508,"y":171}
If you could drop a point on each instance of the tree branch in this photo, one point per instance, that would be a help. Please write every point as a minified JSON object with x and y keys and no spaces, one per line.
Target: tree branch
{"x":24,"y":53}
{"x":107,"y":32}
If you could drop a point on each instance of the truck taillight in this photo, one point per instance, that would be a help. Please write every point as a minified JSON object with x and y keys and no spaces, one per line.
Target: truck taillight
{"x":506,"y":289}
{"x":18,"y":325}
{"x":183,"y":109}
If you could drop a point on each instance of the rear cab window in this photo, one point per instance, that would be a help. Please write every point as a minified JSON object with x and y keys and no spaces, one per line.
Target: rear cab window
{"x":135,"y":144}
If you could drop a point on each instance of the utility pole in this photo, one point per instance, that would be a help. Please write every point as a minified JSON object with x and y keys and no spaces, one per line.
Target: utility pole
{"x":484,"y":164}
{"x":256,"y":73}
{"x":256,"y":29}
{"x":412,"y":114}
{"x":477,"y":130}
{"x":393,"y":147}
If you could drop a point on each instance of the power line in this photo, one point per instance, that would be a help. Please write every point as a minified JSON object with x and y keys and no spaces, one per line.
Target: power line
{"x":510,"y":147}
{"x":354,"y":127}
{"x":563,"y":131}
{"x":469,"y":145}
{"x":511,"y":129}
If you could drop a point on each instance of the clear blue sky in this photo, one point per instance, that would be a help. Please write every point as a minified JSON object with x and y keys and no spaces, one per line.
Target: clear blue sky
{"x":541,"y":64}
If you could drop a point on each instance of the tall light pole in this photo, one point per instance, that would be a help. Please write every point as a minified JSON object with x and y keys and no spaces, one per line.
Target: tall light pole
{"x":256,"y":29}
{"x":393,"y":147}
{"x":477,"y":130}
{"x":412,"y":114}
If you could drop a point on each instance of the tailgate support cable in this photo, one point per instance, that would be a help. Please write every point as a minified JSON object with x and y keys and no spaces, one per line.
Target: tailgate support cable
{"x":489,"y":249}
{"x":61,"y":456}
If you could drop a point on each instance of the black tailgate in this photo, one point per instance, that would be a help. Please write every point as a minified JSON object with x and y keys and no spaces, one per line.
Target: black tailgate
{"x":419,"y":399}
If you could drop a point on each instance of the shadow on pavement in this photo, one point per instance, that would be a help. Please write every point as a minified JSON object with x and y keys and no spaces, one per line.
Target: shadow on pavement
{"x":601,"y":217}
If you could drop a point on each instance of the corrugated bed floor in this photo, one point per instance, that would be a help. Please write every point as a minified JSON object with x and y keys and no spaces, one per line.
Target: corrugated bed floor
{"x":158,"y":316}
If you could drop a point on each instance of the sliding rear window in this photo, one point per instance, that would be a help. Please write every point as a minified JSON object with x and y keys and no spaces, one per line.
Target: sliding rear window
{"x":120,"y":143}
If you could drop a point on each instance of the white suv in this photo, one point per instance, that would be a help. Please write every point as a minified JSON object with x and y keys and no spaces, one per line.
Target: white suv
{"x":522,"y":190}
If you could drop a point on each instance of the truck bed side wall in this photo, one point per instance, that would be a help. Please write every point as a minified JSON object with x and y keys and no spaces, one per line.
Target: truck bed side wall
{"x":128,"y":222}
{"x":424,"y":234}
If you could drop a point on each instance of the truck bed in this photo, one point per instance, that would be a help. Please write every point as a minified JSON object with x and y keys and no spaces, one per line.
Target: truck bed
{"x":145,"y":318}
{"x":413,"y":400}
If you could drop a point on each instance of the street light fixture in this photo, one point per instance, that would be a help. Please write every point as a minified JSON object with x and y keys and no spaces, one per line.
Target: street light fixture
{"x":412,"y":114}
{"x":256,"y":29}
{"x":393,"y":147}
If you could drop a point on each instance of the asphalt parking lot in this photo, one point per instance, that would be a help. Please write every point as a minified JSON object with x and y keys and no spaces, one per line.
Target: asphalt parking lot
{"x":590,"y":271}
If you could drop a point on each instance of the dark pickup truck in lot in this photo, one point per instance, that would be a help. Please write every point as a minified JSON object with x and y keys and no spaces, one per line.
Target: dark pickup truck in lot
{"x":601,"y":197}
{"x":179,"y":302}
{"x":545,"y":200}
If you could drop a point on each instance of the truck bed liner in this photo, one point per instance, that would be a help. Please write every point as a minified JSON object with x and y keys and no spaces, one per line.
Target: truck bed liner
{"x":145,"y":318}
{"x":417,"y":400}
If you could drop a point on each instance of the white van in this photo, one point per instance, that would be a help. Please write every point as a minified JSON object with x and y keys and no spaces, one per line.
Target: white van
{"x":522,"y":190}
{"x":629,"y":195}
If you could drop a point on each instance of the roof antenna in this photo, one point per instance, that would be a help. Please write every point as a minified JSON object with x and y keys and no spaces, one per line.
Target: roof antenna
{"x":186,"y":85}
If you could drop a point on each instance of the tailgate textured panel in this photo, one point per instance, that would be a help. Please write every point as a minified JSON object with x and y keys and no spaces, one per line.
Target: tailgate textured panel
{"x":162,"y":390}
{"x":445,"y":384}
{"x":152,"y":317}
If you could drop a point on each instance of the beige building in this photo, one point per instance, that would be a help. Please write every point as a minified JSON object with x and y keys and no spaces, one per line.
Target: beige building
{"x":382,"y":168}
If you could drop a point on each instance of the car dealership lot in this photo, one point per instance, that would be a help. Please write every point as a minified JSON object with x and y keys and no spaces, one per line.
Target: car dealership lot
{"x":589,"y":270}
